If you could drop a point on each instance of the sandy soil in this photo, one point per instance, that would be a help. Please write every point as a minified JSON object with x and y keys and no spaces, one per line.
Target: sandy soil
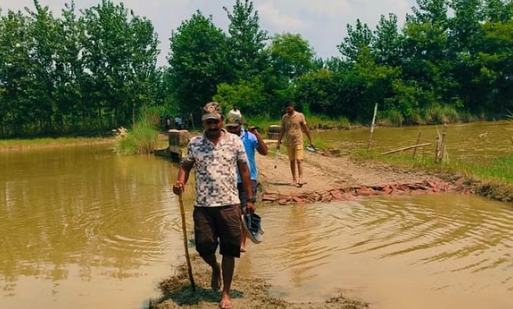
{"x":321,"y":173}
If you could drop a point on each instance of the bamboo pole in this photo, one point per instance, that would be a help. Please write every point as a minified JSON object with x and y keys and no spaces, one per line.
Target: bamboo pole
{"x":372,"y":127}
{"x":416,"y":143}
{"x":437,"y":150}
{"x":185,"y":243}
{"x":405,"y":148}
{"x":442,"y":144}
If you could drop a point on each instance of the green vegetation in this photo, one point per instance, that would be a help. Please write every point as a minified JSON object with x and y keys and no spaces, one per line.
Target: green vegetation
{"x":95,"y":70}
{"x":491,"y":178}
{"x":141,"y":139}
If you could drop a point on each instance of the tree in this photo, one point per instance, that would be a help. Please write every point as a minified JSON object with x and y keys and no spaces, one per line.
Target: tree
{"x":357,"y":38}
{"x":388,"y":42}
{"x":119,"y":52}
{"x":246,"y":41}
{"x":291,"y":56}
{"x":198,"y":62}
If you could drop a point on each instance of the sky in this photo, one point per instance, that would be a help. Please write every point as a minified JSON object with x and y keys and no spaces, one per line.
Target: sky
{"x":323,"y":23}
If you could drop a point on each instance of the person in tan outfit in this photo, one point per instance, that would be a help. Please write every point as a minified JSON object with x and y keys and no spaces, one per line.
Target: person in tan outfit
{"x":293,"y":124}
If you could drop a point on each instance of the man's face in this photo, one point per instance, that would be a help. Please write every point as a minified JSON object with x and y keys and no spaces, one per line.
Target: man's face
{"x":289,"y":109}
{"x":235,"y":107}
{"x":213,"y":127}
{"x":234,"y":129}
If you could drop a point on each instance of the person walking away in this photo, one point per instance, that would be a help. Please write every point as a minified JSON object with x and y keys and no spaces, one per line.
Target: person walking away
{"x":216,"y":155}
{"x":293,"y":124}
{"x":252,"y":140}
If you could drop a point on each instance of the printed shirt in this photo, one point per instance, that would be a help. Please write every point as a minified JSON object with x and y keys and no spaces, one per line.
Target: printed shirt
{"x":291,"y":125}
{"x":250,"y":142}
{"x":216,"y":169}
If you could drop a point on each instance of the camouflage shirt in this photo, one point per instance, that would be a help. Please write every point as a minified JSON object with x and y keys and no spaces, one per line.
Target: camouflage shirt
{"x":216,"y":169}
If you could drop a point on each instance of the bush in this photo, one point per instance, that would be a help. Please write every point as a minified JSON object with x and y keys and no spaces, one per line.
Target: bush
{"x":142,"y":139}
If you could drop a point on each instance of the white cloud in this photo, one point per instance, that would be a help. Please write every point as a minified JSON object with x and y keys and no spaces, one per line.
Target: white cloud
{"x":321,"y":22}
{"x":272,"y":15}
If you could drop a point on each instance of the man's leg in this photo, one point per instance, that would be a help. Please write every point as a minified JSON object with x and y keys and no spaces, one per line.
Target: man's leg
{"x":206,"y":243}
{"x":215,"y":280}
{"x":228,"y":267}
{"x":299,"y":160}
{"x":230,"y":230}
{"x":300,"y":170}
{"x":291,"y":151}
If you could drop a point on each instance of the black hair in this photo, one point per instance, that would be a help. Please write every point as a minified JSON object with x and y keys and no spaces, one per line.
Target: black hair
{"x":288,"y":103}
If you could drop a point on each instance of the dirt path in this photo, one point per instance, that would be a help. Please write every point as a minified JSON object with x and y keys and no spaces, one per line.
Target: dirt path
{"x":321,"y":173}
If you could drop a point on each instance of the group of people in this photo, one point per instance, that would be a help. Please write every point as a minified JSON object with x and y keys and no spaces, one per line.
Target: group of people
{"x":178,"y":123}
{"x":226,"y":183}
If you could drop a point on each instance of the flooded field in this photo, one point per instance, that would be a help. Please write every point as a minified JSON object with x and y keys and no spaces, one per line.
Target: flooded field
{"x":84,"y":228}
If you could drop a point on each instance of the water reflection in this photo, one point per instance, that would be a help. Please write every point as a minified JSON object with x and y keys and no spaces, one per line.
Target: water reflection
{"x":469,"y":142}
{"x":435,"y":249}
{"x":82,"y":212}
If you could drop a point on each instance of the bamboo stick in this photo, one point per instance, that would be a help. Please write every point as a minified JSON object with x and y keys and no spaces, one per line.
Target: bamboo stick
{"x":185,"y":243}
{"x":416,"y":143}
{"x":372,"y":127}
{"x":442,"y":144}
{"x":437,"y":150}
{"x":405,"y":148}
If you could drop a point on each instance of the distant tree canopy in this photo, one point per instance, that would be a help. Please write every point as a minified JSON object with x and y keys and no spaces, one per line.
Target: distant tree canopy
{"x":96,"y":69}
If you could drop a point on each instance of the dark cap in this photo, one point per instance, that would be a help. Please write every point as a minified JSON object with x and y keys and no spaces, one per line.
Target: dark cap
{"x":211,"y":110}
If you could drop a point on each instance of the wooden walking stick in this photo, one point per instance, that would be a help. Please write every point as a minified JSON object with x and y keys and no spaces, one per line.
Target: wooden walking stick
{"x":185,"y":243}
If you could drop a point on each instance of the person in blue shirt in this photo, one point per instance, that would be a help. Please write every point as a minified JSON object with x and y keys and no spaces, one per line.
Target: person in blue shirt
{"x":252,"y":140}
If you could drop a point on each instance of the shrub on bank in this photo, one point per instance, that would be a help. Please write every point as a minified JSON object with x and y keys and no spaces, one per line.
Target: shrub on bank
{"x":141,"y":139}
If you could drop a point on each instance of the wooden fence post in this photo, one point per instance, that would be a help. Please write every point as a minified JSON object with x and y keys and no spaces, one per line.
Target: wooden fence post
{"x":372,"y":127}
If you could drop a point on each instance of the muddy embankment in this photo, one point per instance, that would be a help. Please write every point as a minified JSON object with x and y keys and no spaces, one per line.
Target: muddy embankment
{"x":327,"y":179}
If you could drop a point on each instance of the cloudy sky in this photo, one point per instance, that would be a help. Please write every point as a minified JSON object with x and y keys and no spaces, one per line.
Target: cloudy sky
{"x":321,"y":22}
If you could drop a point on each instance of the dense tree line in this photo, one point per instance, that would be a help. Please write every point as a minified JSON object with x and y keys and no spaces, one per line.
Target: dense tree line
{"x":451,"y":60}
{"x":92,"y":71}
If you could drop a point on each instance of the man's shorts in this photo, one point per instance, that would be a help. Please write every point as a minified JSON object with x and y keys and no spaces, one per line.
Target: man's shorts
{"x":213,"y":223}
{"x":242,"y":194}
{"x":295,"y":152}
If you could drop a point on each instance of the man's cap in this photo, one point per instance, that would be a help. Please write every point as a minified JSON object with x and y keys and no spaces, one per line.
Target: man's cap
{"x":211,"y":110}
{"x":233,"y":120}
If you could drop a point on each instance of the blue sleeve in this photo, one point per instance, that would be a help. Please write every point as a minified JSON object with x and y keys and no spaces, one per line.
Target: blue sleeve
{"x":254,"y":140}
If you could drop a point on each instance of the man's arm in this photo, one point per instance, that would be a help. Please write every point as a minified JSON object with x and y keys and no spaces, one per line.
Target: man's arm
{"x":307,"y":132}
{"x":246,"y":184}
{"x":262,"y":146}
{"x":280,"y":136}
{"x":183,"y":177}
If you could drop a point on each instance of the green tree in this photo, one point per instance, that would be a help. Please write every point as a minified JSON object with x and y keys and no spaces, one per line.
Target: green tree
{"x":119,"y":52}
{"x":388,"y":43}
{"x":291,"y":55}
{"x":357,"y":38}
{"x":247,"y":41}
{"x":198,"y":62}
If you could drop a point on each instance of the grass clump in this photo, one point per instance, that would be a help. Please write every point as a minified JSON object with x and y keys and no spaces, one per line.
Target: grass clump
{"x":141,"y":139}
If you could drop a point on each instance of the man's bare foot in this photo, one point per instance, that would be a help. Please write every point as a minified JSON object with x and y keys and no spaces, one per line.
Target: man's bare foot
{"x":215,"y":282}
{"x":293,"y":183}
{"x":226,"y":302}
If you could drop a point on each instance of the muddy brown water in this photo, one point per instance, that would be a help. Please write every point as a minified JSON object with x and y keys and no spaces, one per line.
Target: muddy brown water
{"x":83,"y":228}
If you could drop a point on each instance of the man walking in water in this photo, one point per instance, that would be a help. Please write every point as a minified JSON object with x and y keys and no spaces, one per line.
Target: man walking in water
{"x":292,"y":126}
{"x":216,"y":155}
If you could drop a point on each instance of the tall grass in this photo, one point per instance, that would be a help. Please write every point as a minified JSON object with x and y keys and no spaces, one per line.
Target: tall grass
{"x":142,"y":138}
